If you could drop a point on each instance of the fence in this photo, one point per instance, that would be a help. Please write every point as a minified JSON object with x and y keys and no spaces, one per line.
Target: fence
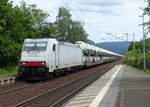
{"x":139,"y":64}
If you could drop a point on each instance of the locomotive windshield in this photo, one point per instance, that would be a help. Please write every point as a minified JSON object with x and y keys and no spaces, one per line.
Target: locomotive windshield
{"x":35,"y":46}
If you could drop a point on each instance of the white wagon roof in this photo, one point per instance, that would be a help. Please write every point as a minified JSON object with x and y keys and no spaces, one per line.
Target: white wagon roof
{"x":86,"y":46}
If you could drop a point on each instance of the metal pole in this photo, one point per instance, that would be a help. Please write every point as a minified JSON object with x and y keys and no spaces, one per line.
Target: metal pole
{"x":127,"y":48}
{"x":133,"y":41}
{"x":144,"y":60}
{"x":148,"y":5}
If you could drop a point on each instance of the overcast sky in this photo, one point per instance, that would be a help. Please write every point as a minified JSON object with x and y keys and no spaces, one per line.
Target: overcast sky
{"x":99,"y":16}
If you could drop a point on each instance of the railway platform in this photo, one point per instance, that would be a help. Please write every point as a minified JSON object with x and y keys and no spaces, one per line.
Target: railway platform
{"x":122,"y":86}
{"x":6,"y":79}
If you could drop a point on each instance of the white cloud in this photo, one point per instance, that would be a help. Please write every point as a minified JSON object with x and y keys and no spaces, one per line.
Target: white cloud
{"x":121,"y":18}
{"x":99,"y":16}
{"x":102,"y":3}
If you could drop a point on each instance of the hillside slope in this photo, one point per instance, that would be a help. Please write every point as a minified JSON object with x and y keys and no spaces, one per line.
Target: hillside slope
{"x":118,"y":47}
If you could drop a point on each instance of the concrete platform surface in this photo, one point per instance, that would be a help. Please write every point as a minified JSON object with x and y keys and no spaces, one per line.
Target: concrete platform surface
{"x":122,"y":86}
{"x":90,"y":96}
{"x":134,"y":88}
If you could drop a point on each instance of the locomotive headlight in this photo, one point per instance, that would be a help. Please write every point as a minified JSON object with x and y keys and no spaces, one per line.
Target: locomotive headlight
{"x":23,"y":63}
{"x":43,"y":63}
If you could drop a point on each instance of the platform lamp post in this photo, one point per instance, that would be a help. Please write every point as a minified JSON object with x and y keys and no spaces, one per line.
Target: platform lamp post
{"x":144,"y":36}
{"x":127,"y":48}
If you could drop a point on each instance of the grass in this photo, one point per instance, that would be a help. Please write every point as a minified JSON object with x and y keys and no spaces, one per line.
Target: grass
{"x":9,"y":70}
{"x":147,"y":71}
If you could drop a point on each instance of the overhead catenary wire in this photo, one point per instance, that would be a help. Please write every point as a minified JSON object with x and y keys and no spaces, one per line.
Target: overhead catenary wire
{"x":84,"y":20}
{"x":81,"y":18}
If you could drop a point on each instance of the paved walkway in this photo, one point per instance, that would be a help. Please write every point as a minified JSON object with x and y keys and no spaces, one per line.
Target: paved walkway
{"x":123,"y":86}
{"x":134,"y":89}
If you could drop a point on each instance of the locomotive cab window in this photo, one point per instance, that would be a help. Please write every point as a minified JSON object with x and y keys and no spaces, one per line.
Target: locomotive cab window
{"x":35,"y":46}
{"x":54,"y":47}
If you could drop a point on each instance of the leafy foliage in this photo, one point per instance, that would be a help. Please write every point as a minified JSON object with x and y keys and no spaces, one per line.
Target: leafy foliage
{"x":135,"y":54}
{"x":69,"y":30}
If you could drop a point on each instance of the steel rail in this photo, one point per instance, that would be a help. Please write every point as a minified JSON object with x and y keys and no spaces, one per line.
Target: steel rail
{"x":28,"y":101}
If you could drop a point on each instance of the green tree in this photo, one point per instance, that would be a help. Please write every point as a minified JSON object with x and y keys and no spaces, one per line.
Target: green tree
{"x":67,"y":29}
{"x":76,"y":32}
{"x":6,"y":44}
{"x":62,"y":23}
{"x":16,"y":24}
{"x":135,"y":54}
{"x":27,"y":21}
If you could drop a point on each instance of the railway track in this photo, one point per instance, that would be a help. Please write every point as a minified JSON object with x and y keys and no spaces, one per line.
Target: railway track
{"x":53,"y":92}
{"x":57,"y":96}
{"x":13,"y":87}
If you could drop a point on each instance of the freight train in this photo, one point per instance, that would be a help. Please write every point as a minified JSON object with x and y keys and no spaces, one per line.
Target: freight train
{"x":46,"y":57}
